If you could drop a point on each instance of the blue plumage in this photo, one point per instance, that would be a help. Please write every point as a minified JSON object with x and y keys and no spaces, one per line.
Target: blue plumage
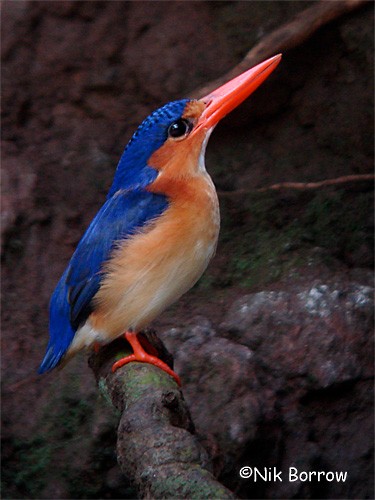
{"x":127,"y":209}
{"x":71,"y":303}
{"x":119,"y":218}
{"x":132,"y":170}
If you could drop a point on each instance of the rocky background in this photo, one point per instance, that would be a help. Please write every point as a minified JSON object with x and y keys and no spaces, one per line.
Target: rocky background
{"x":274,"y":344}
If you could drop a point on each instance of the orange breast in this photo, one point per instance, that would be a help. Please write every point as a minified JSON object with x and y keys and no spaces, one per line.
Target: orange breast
{"x":155,"y":267}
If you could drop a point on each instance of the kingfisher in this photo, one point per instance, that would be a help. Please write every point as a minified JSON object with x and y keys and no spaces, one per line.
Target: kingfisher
{"x":155,"y":234}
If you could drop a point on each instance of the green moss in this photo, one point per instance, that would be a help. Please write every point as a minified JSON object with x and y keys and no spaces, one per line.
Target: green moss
{"x":26,"y":469}
{"x":274,"y":235}
{"x":265,"y":262}
{"x":64,"y":448}
{"x":198,"y":485}
{"x":32,"y":460}
{"x":150,"y":378}
{"x":334,"y":221}
{"x":77,"y":413}
{"x":106,"y":397}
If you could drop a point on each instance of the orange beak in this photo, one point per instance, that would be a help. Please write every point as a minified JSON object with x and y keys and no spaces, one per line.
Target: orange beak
{"x":223,"y":100}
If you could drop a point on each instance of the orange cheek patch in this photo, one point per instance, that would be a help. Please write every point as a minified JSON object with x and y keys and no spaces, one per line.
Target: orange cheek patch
{"x":175,"y":189}
{"x":178,"y":159}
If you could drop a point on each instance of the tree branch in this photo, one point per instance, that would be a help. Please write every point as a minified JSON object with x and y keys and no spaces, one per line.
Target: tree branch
{"x":287,"y":36}
{"x":156,"y":445}
{"x":301,"y":186}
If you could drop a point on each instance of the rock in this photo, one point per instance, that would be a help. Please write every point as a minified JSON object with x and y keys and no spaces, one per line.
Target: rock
{"x":216,"y":374}
{"x":321,"y":332}
{"x":284,"y":381}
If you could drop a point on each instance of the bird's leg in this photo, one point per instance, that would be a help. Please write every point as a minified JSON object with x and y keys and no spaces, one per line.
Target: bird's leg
{"x":142,"y":356}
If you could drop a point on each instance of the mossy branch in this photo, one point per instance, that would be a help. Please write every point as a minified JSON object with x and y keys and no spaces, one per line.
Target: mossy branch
{"x":156,"y":445}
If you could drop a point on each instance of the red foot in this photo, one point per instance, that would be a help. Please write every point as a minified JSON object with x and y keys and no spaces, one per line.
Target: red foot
{"x":142,"y":356}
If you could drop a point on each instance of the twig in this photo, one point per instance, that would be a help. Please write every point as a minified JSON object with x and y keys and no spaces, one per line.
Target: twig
{"x":287,"y":36}
{"x":301,"y":185}
{"x":156,"y":447}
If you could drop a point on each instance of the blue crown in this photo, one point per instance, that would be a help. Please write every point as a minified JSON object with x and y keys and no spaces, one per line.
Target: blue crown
{"x":132,"y":170}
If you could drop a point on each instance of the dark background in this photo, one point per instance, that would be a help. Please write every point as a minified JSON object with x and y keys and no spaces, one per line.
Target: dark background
{"x":274,"y":343}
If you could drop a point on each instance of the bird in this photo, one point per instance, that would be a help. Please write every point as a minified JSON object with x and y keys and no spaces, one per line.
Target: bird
{"x":155,"y":234}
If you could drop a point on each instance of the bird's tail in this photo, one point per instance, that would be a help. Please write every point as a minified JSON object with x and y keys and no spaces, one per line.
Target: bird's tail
{"x":61,"y":331}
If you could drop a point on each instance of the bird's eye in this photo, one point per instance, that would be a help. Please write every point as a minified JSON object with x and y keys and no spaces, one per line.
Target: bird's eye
{"x":179,"y":128}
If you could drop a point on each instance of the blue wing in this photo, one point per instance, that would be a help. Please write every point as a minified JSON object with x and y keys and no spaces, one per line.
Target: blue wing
{"x":71,"y":303}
